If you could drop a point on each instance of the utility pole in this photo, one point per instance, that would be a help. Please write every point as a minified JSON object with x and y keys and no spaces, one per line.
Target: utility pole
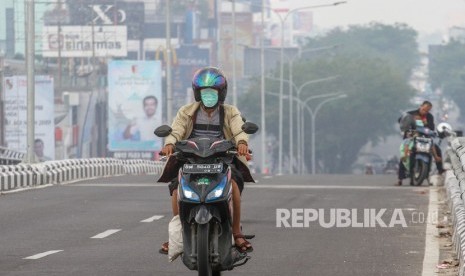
{"x":234,"y":53}
{"x":30,"y":41}
{"x":262,"y":90}
{"x":169,"y":90}
{"x":2,"y":92}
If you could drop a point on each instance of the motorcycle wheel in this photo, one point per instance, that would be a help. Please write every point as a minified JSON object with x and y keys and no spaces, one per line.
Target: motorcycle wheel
{"x":420,"y":172}
{"x":203,"y":250}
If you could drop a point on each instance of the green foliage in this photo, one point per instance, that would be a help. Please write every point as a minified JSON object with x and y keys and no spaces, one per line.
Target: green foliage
{"x":395,"y":44}
{"x":374,"y":77}
{"x":447,"y":71}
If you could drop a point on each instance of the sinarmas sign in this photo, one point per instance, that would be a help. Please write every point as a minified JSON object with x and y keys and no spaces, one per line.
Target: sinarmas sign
{"x":85,"y":41}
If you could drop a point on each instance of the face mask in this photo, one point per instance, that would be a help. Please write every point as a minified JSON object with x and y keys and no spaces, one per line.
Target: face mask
{"x":209,"y":97}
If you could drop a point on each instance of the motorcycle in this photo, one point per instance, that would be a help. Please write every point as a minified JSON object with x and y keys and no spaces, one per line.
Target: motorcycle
{"x":205,"y":202}
{"x":422,"y":158}
{"x":423,"y":143}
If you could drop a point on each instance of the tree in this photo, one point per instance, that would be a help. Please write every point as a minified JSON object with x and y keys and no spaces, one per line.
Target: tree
{"x":373,"y":76}
{"x":447,"y":71}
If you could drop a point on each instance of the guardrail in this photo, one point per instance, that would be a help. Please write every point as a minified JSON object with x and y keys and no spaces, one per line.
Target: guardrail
{"x":10,"y":157}
{"x":59,"y":172}
{"x":455,"y":184}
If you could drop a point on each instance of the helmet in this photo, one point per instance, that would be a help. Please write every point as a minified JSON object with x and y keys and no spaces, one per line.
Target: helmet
{"x":210,"y":77}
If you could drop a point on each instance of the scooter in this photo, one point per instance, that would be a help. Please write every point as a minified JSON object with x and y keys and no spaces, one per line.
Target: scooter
{"x":205,"y":202}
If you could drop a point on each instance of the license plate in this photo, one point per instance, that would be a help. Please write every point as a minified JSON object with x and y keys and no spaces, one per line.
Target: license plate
{"x":203,"y":168}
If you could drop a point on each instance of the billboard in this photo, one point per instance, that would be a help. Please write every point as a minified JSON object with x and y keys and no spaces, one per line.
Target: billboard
{"x":85,"y":41}
{"x":15,"y":103}
{"x":109,"y":12}
{"x":135,"y":105}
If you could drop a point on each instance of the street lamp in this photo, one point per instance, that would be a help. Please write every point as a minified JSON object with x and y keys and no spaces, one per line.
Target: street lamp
{"x":281,"y":85}
{"x":313,"y":116}
{"x":299,"y":117}
{"x":291,"y":106}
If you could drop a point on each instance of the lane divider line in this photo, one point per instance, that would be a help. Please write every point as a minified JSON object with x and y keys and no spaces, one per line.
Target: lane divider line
{"x":41,"y":255}
{"x":152,"y":219}
{"x":105,"y":234}
{"x":431,"y":257}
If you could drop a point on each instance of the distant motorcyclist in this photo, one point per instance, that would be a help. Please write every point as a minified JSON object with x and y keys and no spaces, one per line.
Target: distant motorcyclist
{"x":210,"y":117}
{"x":408,"y":123}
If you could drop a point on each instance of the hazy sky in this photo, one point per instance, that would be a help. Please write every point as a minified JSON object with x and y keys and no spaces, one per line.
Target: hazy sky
{"x":426,"y":16}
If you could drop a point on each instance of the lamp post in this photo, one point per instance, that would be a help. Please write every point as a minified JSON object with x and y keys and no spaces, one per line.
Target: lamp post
{"x":299,"y":103}
{"x":234,"y":88}
{"x":30,"y":50}
{"x":169,"y":90}
{"x":281,"y":75}
{"x":262,"y":89}
{"x":313,"y":116}
{"x":2,"y":92}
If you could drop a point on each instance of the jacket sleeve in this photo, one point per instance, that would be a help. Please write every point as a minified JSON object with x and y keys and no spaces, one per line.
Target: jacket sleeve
{"x":430,"y":122}
{"x":236,"y":126}
{"x":179,"y":127}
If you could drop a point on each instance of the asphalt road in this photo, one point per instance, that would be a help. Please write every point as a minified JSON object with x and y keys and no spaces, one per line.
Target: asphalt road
{"x":114,"y":226}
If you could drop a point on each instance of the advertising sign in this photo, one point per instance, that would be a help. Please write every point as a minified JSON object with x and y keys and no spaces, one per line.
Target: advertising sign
{"x":85,"y":41}
{"x":135,"y":105}
{"x":15,"y":101}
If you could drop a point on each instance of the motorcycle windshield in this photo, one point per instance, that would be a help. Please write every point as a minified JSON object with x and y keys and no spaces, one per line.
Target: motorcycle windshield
{"x":204,"y":146}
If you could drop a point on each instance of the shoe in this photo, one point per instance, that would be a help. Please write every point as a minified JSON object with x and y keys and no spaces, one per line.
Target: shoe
{"x":399,"y":183}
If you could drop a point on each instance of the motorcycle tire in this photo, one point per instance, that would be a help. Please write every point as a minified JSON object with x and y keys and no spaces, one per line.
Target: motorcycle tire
{"x":203,"y":250}
{"x":420,"y":172}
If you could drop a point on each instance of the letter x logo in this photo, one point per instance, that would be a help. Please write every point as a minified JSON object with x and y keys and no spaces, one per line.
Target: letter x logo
{"x":101,"y":14}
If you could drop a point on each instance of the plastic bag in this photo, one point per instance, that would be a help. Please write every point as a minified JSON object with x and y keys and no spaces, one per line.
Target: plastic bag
{"x":175,"y":247}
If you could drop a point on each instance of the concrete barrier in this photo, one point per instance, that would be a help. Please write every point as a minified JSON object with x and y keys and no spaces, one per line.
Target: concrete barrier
{"x":455,"y":185}
{"x":65,"y":171}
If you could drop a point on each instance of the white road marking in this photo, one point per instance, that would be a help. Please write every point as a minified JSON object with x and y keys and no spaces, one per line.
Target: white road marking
{"x":41,"y":255}
{"x":325,"y":187}
{"x":263,"y":186}
{"x":152,"y":219}
{"x":431,"y":257}
{"x":122,"y":185}
{"x":105,"y":234}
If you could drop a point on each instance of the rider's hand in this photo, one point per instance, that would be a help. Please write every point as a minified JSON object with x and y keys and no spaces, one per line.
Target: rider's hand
{"x":242,"y":149}
{"x":167,"y":150}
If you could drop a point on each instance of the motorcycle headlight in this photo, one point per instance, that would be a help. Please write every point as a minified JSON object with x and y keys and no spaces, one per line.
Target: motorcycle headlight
{"x":217,"y":192}
{"x":188,"y":192}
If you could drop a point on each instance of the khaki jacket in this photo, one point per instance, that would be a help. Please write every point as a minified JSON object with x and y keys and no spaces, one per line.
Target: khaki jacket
{"x":183,"y":125}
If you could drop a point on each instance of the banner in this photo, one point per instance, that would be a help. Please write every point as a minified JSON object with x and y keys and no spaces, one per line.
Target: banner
{"x":15,"y":101}
{"x":135,"y":105}
{"x":85,"y":41}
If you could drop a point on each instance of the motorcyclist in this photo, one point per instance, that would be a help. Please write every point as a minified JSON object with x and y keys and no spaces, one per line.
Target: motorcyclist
{"x":423,"y":114}
{"x":210,"y":117}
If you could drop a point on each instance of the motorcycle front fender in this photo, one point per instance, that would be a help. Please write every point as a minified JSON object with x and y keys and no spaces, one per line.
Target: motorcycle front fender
{"x":425,"y":158}
{"x":203,"y":215}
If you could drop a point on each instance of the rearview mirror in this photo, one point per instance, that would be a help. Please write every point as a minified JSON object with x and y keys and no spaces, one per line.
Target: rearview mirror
{"x":249,"y":128}
{"x":163,"y":131}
